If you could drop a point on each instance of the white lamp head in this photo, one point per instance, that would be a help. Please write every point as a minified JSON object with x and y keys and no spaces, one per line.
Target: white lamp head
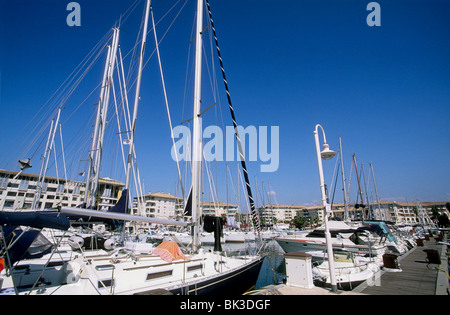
{"x":326,"y":153}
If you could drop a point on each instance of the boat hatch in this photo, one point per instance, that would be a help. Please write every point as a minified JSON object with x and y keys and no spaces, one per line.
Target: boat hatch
{"x":104,"y":267}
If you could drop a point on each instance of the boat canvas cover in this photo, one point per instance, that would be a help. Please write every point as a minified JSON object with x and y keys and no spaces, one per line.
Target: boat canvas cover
{"x":35,"y":219}
{"x":169,"y":251}
{"x":25,"y":244}
{"x":383,"y":227}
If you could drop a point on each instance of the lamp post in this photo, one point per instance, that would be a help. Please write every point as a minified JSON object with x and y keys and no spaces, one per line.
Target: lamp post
{"x":325,"y":154}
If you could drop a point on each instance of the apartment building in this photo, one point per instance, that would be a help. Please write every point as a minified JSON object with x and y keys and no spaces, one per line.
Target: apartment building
{"x":159,"y":205}
{"x":399,"y":212}
{"x":272,"y":214}
{"x":18,"y":192}
{"x":219,"y":209}
{"x":166,"y":206}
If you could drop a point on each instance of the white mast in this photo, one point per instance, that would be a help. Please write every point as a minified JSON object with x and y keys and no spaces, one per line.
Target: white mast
{"x":197,"y":136}
{"x":45,"y":159}
{"x":383,"y":215}
{"x":137,"y":97}
{"x":346,"y":218}
{"x":95,"y":154}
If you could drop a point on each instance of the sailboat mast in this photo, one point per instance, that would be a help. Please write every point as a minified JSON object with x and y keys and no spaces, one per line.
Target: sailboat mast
{"x":137,"y":97}
{"x":197,"y":137}
{"x":360,"y":191}
{"x":383,"y":216}
{"x":343,"y":181}
{"x":95,"y":155}
{"x":45,"y":159}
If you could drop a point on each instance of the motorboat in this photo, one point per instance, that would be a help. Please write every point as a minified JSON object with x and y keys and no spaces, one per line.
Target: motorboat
{"x":344,"y":239}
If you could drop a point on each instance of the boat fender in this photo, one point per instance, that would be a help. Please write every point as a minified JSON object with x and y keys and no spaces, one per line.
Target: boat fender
{"x":110,"y":244}
{"x":76,"y":242}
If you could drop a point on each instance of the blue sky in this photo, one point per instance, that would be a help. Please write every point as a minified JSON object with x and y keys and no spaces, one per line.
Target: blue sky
{"x":293,"y":64}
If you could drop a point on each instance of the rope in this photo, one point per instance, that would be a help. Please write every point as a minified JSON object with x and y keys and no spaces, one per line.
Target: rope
{"x":254,"y":213}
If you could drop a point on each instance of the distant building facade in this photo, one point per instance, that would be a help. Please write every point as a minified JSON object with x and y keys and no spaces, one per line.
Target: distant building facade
{"x":18,"y":192}
{"x":166,"y":206}
{"x":398,"y":212}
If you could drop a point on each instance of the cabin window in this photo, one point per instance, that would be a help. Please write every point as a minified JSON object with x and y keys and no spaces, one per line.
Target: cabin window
{"x":193,"y":268}
{"x":157,"y":275}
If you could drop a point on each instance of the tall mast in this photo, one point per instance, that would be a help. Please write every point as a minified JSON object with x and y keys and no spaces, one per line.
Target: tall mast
{"x":45,"y":159}
{"x":383,"y":216}
{"x":95,"y":155}
{"x":343,"y":181}
{"x":197,"y":137}
{"x":137,"y":97}
{"x":370,"y":213}
{"x":360,"y":191}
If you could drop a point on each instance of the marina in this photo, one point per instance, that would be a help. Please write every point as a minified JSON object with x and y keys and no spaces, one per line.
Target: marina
{"x":417,"y":277}
{"x":234,"y":210}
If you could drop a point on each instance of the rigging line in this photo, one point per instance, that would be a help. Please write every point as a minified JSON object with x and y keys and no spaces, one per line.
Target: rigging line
{"x":255,"y":215}
{"x":138,"y":41}
{"x":167,"y":102}
{"x":62,"y":152}
{"x":212,"y":189}
{"x":60,"y":100}
{"x":232,"y":184}
{"x":47,"y":107}
{"x":335,"y":171}
{"x":335,"y":182}
{"x":188,"y":67}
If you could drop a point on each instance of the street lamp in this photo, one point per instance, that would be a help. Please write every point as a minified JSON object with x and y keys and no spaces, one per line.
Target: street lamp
{"x":325,"y":154}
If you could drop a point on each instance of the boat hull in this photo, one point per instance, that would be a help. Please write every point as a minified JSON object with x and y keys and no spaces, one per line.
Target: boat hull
{"x":235,"y":282}
{"x":306,"y":246}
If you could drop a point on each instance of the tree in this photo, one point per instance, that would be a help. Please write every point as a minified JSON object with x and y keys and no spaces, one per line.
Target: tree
{"x":299,"y":222}
{"x":443,"y":221}
{"x":435,"y":213}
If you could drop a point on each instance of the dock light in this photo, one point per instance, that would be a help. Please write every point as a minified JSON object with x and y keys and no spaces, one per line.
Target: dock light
{"x":326,"y":154}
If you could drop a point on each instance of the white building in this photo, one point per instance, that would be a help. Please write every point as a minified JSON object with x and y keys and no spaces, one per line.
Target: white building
{"x":271,"y":214}
{"x":159,"y":205}
{"x":19,"y":193}
{"x":166,"y":206}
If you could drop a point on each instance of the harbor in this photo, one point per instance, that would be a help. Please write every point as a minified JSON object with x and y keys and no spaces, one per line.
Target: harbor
{"x":168,"y":152}
{"x":416,"y":276}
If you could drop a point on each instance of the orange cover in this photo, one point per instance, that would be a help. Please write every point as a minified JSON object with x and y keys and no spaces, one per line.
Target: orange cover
{"x":169,"y":251}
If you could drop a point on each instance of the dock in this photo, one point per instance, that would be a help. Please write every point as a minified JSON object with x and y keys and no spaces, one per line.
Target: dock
{"x":417,"y":277}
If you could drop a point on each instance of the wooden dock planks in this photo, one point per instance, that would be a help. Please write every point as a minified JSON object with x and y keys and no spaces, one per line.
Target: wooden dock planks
{"x":417,"y":276}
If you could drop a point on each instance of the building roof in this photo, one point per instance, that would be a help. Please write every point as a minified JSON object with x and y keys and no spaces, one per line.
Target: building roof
{"x":218,"y":204}
{"x":162,"y":195}
{"x":103,"y":180}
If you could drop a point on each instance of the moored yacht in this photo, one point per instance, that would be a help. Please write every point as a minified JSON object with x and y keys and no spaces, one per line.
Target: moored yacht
{"x":343,"y":237}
